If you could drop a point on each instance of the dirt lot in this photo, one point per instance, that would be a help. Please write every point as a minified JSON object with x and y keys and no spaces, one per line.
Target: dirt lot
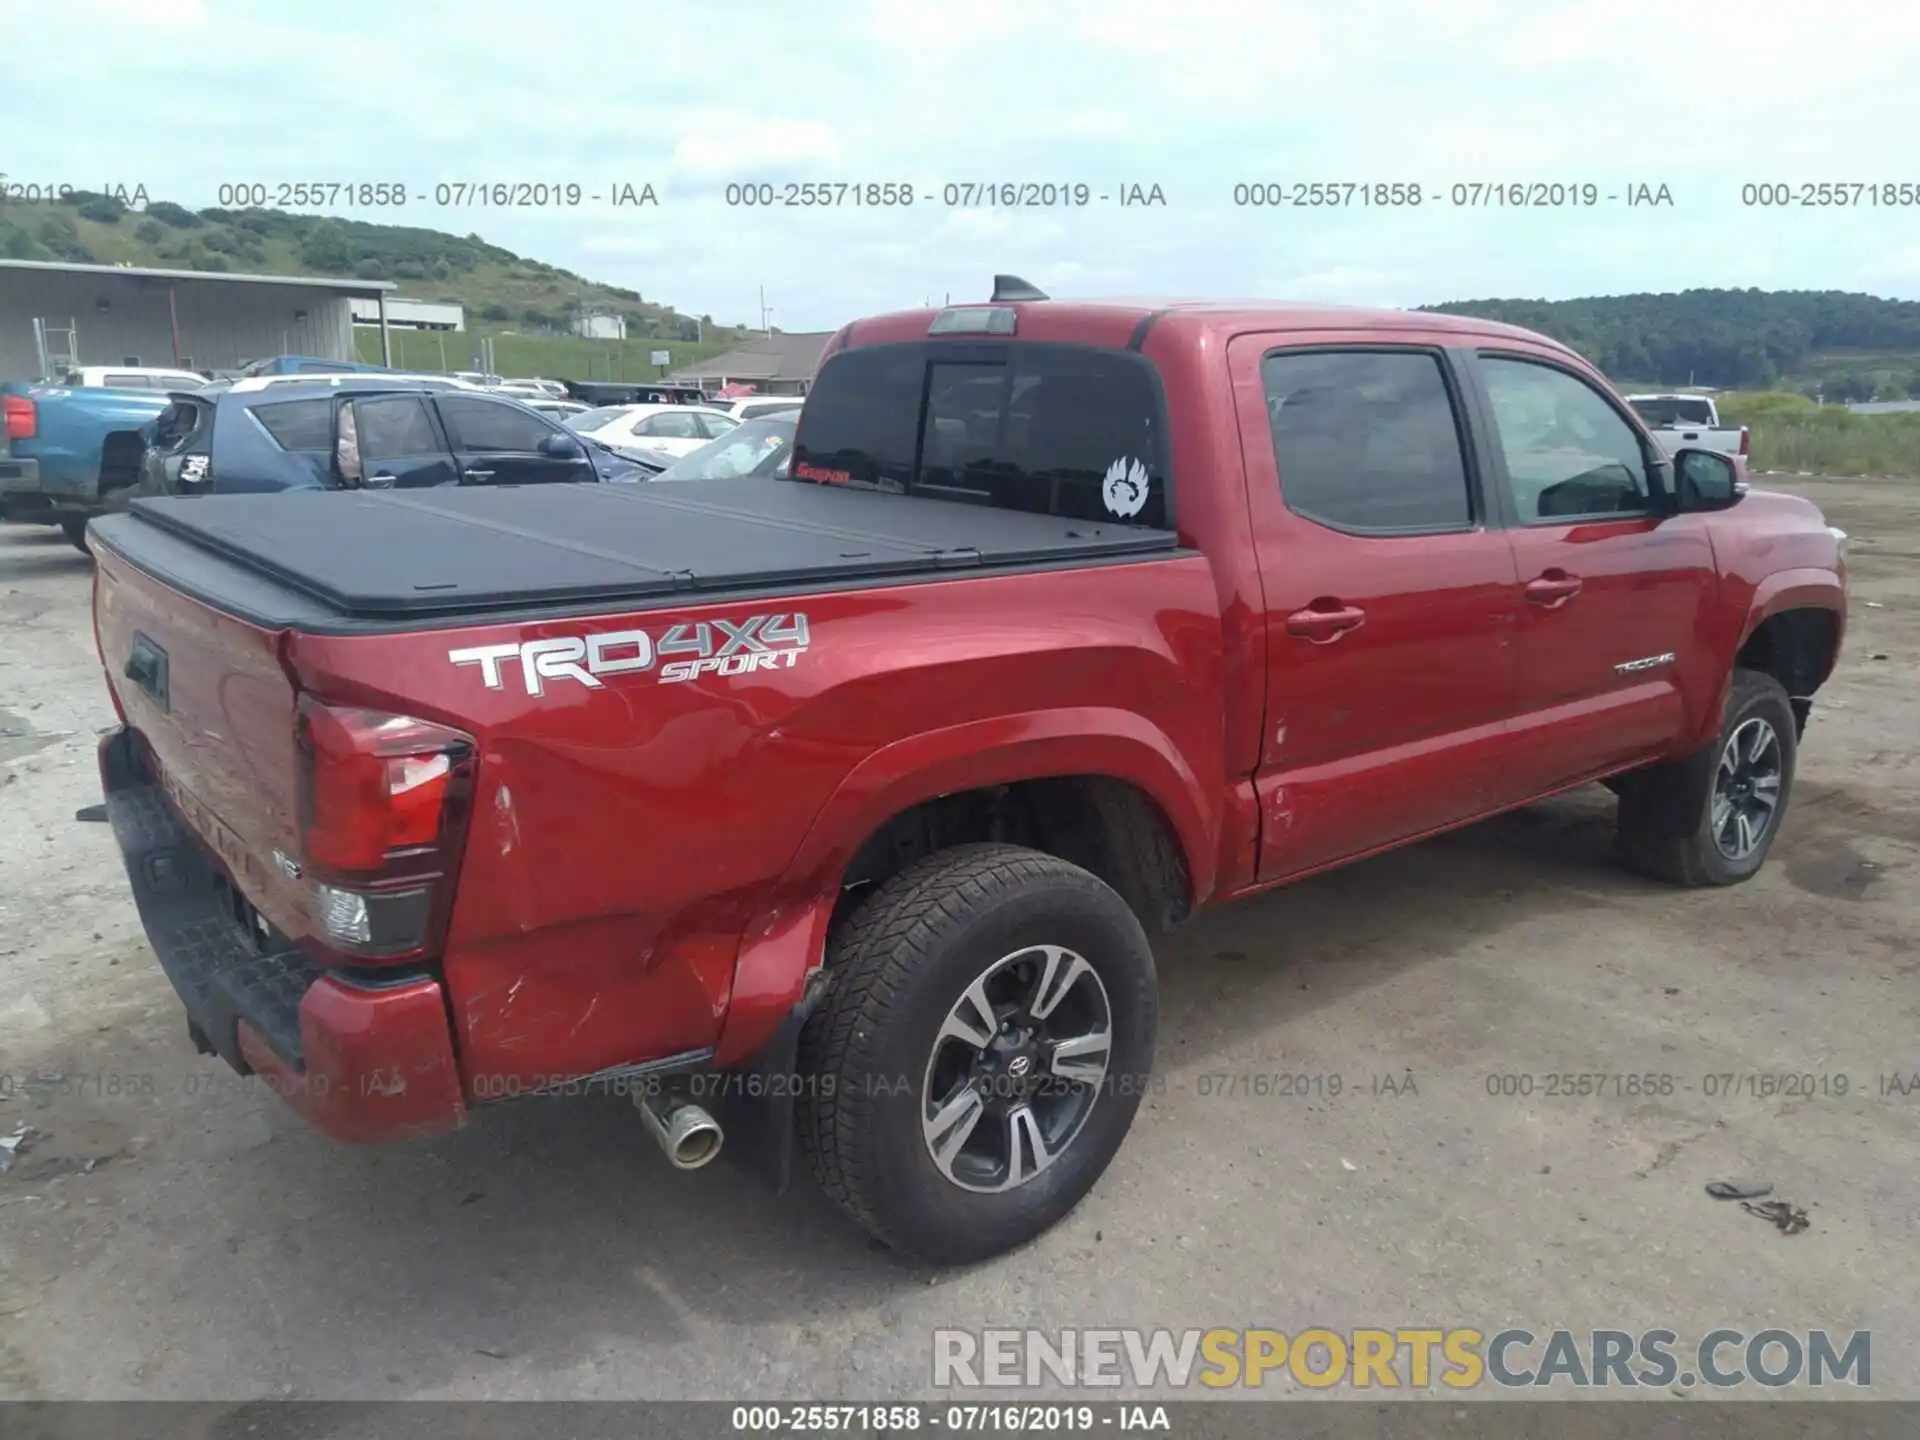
{"x":192,"y":1240}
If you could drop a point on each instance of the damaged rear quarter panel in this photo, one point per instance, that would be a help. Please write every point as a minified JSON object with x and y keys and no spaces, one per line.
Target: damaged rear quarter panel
{"x":623,"y":837}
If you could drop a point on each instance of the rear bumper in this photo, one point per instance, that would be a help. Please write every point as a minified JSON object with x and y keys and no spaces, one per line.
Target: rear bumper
{"x":20,"y":495}
{"x":36,"y":495}
{"x":361,"y":1059}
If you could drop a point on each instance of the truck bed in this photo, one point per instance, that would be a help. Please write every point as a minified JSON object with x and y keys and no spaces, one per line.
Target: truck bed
{"x":379,"y":559}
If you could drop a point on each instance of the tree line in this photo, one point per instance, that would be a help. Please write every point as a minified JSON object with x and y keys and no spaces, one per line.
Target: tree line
{"x":1732,"y":339}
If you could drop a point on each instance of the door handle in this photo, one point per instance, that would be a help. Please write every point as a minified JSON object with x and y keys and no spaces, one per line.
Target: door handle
{"x":476,"y":474}
{"x":1325,"y":621}
{"x":1553,"y":589}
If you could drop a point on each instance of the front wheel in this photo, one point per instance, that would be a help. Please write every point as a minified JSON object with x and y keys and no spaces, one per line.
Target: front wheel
{"x":1711,"y":819}
{"x":983,"y":1044}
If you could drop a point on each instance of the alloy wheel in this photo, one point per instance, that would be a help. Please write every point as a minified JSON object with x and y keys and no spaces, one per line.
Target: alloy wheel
{"x":1016,"y":1069}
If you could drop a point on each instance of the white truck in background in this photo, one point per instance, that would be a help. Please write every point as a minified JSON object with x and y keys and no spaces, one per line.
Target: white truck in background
{"x":1679,"y":421}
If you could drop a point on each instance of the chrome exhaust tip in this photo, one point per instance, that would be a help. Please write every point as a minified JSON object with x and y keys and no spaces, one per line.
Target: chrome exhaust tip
{"x":687,"y":1134}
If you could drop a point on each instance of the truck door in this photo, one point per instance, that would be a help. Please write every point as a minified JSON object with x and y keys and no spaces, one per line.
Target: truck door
{"x":1613,"y":649}
{"x":1390,"y":595}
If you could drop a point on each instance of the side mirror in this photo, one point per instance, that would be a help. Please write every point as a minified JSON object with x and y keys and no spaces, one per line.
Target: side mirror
{"x":561,"y":447}
{"x":1705,"y":480}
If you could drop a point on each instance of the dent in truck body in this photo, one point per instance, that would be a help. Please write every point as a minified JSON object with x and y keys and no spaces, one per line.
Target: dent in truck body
{"x":631,"y":842}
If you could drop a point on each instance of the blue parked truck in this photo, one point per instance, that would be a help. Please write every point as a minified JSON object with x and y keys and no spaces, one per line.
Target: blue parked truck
{"x":65,"y":449}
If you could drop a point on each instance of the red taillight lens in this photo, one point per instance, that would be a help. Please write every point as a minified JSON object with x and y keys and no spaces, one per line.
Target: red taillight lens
{"x":22,"y":420}
{"x":378,"y":786}
{"x":1746,"y":437}
{"x":383,"y":805}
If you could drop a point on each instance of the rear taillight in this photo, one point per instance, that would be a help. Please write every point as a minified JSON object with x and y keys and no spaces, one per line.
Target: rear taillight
{"x":1746,"y":437}
{"x":22,"y":421}
{"x":383,"y":805}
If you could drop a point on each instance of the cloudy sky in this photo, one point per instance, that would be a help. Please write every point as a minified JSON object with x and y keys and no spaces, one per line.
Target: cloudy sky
{"x":1704,"y":97}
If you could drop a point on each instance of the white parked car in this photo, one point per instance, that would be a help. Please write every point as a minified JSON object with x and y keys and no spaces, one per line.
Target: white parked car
{"x":131,"y":377}
{"x":537,"y":383}
{"x":752,"y":407}
{"x":663,"y":429}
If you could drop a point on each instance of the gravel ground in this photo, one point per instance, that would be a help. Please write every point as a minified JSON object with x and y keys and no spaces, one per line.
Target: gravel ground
{"x":192,"y":1240}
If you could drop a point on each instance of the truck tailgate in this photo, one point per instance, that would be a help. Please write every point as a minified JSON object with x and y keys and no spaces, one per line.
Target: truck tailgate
{"x":214,"y":710}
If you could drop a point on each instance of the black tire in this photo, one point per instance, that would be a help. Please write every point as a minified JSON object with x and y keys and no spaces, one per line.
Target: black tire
{"x":894,"y":971}
{"x":76,"y":533}
{"x":1667,"y":816}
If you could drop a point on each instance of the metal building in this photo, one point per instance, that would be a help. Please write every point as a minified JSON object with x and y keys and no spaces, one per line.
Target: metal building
{"x":54,"y":314}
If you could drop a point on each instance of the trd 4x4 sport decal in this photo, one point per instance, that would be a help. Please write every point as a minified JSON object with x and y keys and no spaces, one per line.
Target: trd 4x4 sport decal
{"x":712,"y":647}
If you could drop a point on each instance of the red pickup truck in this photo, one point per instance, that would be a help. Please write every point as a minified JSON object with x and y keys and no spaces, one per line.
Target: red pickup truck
{"x":836,"y":810}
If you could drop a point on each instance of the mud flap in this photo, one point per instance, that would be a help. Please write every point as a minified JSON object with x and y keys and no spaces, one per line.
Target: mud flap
{"x":759,"y":1106}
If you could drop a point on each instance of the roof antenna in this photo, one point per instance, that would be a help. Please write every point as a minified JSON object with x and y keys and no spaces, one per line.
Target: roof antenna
{"x":1012,"y":287}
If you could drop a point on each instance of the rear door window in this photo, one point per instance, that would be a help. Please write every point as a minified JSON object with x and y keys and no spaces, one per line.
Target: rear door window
{"x":305,"y":425}
{"x":1064,"y":430}
{"x":394,"y":427}
{"x":1367,"y":441}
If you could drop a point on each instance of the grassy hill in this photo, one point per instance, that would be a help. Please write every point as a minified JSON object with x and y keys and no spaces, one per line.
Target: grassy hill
{"x":525,"y":305}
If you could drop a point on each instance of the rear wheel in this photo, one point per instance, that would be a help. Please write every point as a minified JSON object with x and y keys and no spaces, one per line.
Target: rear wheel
{"x":1711,"y":818}
{"x":76,"y":532}
{"x":981,"y":1050}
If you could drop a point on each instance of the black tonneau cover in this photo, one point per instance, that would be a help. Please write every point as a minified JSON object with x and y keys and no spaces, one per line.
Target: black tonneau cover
{"x":431,"y":553}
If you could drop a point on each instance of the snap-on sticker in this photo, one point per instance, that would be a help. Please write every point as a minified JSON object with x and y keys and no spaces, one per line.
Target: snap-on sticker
{"x":1125,"y":488}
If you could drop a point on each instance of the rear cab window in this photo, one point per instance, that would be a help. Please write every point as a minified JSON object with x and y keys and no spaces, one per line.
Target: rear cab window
{"x":1073,"y":431}
{"x":1669,"y":412}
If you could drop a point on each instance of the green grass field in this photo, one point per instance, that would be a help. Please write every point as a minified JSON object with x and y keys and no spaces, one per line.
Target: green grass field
{"x":1791,"y":433}
{"x":557,"y":357}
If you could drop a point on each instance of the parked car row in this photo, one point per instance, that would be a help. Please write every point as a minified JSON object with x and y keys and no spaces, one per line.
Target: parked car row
{"x":104,"y":435}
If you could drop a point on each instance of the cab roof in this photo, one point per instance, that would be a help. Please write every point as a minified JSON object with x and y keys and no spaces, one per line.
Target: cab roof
{"x":1115,"y":322}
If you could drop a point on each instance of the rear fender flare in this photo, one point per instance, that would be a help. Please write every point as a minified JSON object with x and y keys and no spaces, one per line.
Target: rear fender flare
{"x":787,"y":940}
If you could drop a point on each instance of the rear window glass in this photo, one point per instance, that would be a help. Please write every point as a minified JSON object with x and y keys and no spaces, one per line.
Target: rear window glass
{"x":1063,"y":430}
{"x":298,"y":424}
{"x":1666,"y":412}
{"x":179,"y":423}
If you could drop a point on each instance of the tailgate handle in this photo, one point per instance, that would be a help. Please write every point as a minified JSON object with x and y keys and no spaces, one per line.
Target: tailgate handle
{"x":147,"y":668}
